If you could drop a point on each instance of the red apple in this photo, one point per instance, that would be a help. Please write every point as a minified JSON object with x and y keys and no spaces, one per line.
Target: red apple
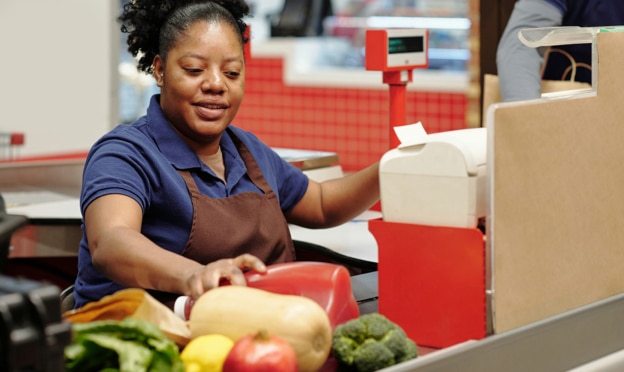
{"x":261,"y":352}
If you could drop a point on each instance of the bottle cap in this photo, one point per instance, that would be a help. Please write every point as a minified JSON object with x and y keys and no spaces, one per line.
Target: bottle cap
{"x":179,"y":307}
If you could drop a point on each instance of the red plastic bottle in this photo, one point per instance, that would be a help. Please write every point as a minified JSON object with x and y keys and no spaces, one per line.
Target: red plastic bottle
{"x":327,"y":284}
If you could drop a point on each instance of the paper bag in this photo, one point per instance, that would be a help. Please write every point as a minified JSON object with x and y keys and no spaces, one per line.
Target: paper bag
{"x":135,"y":303}
{"x":491,"y":89}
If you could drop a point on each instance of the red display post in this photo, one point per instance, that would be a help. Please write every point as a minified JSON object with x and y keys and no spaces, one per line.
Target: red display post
{"x":432,"y":281}
{"x":397,"y":80}
{"x":396,"y":52}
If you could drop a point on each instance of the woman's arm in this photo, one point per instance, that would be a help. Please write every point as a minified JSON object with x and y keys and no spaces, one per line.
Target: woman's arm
{"x":124,"y":255}
{"x":336,"y":201}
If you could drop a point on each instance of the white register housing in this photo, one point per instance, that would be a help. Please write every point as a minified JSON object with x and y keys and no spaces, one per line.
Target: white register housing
{"x":438,"y":180}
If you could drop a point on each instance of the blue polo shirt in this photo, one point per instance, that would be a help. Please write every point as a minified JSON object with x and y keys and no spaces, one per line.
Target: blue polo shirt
{"x":583,"y":13}
{"x":141,"y":160}
{"x":590,"y":13}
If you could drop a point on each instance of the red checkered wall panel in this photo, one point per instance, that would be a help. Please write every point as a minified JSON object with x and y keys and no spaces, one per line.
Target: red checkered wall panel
{"x":352,"y":122}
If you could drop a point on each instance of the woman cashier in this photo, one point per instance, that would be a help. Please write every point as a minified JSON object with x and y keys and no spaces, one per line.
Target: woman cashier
{"x":182,"y":199}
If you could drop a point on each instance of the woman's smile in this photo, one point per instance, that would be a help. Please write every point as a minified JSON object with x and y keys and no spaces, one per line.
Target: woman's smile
{"x":210,"y":111}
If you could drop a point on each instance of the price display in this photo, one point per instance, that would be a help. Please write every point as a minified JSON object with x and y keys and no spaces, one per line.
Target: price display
{"x":396,"y":49}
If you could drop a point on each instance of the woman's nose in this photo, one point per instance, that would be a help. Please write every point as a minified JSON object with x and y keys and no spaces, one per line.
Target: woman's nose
{"x":213,"y":82}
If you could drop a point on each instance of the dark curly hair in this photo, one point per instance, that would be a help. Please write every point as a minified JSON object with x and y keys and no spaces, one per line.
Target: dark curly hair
{"x":154,"y":26}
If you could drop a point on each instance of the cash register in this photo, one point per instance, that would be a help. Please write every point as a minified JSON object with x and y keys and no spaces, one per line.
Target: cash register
{"x":433,"y":202}
{"x":436,"y":179}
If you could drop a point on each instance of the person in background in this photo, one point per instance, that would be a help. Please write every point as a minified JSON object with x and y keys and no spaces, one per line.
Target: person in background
{"x":521,"y":68}
{"x":181,"y":200}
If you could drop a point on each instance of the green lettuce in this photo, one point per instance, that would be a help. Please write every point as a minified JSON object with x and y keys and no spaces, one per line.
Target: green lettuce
{"x":129,"y":345}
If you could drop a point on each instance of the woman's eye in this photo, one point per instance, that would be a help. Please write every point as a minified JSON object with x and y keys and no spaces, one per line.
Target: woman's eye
{"x":193,"y":70}
{"x":232,"y":73}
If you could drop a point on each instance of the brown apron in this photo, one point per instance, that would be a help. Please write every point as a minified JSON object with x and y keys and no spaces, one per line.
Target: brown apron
{"x":249,"y":222}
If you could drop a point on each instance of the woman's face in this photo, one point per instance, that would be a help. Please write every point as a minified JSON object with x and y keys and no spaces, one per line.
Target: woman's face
{"x":202,"y":83}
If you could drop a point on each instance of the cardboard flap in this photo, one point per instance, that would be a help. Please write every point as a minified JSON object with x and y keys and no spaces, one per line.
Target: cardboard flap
{"x":557,"y":208}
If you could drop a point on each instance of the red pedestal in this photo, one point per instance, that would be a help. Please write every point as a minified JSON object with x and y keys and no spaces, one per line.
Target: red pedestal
{"x":432,"y":281}
{"x":397,"y":81}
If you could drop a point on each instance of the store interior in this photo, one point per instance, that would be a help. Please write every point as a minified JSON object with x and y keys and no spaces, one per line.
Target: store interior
{"x":310,"y":96}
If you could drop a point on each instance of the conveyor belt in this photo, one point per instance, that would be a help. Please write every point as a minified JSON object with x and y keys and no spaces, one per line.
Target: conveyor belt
{"x":583,"y":337}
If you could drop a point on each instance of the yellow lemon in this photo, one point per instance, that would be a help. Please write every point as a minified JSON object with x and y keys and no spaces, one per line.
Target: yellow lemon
{"x":206,"y":353}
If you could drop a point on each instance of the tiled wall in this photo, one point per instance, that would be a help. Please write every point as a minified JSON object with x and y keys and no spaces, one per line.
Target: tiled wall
{"x":350,"y":122}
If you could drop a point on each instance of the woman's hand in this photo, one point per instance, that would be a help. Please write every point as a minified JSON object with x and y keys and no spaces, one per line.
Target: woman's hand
{"x":231,"y":269}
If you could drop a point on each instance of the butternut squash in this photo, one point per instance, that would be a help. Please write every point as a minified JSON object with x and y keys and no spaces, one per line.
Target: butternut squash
{"x":236,"y":311}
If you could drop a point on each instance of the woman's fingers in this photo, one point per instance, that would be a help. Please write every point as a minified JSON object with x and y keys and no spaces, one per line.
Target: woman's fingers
{"x":232,"y":270}
{"x":249,"y":261}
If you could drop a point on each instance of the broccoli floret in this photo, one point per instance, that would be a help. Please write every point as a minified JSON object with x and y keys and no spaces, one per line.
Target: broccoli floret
{"x":356,"y":331}
{"x":402,"y":347}
{"x":371,"y":342}
{"x":344,"y":349}
{"x":410,"y":351}
{"x":371,"y":356}
{"x":377,"y":325}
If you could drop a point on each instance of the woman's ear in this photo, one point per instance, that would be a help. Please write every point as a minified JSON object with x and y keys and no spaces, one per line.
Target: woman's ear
{"x":158,"y":70}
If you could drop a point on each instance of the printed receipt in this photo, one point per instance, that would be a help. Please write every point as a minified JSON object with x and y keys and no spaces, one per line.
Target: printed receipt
{"x":411,"y":134}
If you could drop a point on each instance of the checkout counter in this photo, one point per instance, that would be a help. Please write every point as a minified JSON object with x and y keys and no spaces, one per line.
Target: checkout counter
{"x":550,"y":293}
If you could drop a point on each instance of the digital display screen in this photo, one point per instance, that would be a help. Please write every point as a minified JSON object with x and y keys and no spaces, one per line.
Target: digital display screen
{"x":407,"y":44}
